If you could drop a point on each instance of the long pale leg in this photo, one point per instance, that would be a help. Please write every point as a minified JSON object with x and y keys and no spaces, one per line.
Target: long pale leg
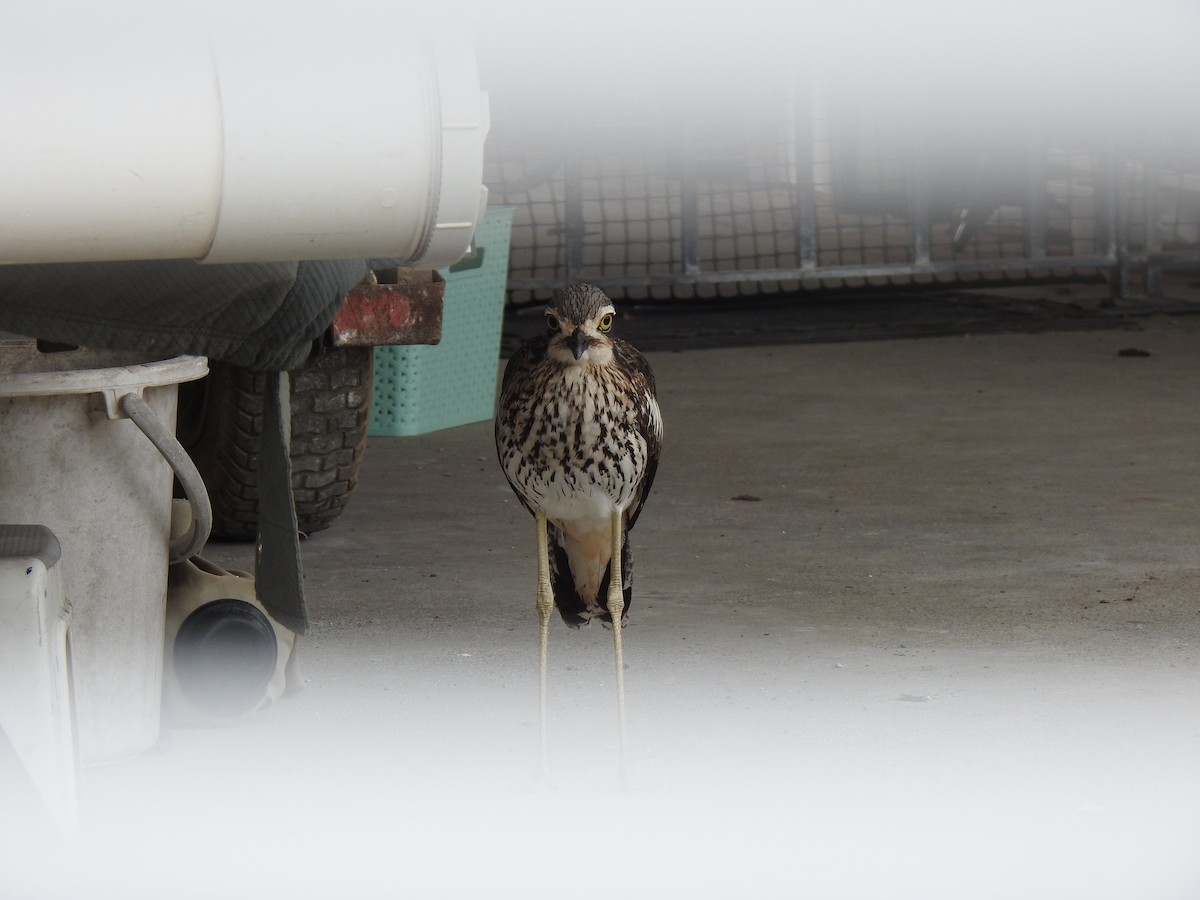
{"x":545,"y":603}
{"x":616,"y":608}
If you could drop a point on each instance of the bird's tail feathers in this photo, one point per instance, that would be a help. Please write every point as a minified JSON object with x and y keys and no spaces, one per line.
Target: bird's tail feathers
{"x":574,"y":609}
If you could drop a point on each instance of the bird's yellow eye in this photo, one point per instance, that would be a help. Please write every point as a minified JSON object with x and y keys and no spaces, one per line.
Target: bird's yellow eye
{"x":605,"y":322}
{"x":552,"y":322}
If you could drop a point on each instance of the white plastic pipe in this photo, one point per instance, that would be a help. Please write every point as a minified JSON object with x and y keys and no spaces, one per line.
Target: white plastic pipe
{"x":236,"y":142}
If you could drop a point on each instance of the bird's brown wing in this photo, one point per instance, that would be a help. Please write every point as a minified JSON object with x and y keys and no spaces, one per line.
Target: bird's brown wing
{"x":649,"y":420}
{"x":515,"y":399}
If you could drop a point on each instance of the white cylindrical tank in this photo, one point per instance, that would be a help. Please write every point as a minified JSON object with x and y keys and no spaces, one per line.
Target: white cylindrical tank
{"x":230,"y":141}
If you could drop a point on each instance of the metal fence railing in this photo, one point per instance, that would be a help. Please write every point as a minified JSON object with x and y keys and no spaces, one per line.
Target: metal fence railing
{"x":810,"y":199}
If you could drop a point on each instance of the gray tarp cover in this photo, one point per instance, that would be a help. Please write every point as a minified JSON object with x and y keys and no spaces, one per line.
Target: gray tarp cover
{"x":259,"y":315}
{"x":262,"y":316}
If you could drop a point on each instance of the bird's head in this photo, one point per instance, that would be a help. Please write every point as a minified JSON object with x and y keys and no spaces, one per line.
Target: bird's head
{"x":579,"y":320}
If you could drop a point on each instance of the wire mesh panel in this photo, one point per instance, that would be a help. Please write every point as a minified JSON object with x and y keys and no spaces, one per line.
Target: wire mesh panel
{"x":816,"y":194}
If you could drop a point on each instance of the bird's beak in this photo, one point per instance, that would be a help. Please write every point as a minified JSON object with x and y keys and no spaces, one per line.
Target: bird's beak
{"x":578,"y":343}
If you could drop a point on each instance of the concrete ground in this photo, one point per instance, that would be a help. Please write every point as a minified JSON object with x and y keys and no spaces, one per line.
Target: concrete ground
{"x":912,"y":619}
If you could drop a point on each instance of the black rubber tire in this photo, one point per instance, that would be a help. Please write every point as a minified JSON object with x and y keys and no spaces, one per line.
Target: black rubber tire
{"x":220,"y":423}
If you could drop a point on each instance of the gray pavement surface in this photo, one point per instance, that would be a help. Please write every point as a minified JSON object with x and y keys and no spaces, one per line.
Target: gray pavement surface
{"x":912,"y":618}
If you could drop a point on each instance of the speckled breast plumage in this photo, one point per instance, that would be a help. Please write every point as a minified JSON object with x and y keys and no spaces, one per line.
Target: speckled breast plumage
{"x":571,"y":441}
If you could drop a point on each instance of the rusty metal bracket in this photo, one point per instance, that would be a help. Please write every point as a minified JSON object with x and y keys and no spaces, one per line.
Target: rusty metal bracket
{"x":395,"y":306}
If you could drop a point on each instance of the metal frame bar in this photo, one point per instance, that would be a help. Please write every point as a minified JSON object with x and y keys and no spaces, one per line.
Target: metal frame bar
{"x":1035,"y":202}
{"x":799,"y":159}
{"x":1117,"y":216}
{"x":573,"y":213}
{"x":689,"y":215}
{"x":1152,"y":169}
{"x":966,"y":267}
{"x":918,"y":198}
